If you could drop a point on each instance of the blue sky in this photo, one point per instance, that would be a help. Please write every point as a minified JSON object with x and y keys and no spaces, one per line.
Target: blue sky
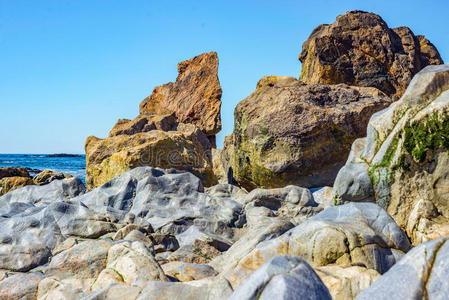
{"x":70,"y":69}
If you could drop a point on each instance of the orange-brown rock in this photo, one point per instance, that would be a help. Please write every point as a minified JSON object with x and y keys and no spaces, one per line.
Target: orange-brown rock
{"x":13,"y":171}
{"x":287,"y":132}
{"x":194,"y":98}
{"x":143,"y":123}
{"x":185,"y":149}
{"x":360,"y":49}
{"x":12,"y":178}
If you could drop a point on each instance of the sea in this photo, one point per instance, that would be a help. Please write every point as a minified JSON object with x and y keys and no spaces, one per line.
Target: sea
{"x":75,"y":166}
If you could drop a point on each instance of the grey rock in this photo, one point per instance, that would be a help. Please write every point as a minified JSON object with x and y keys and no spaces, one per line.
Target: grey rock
{"x":27,"y":237}
{"x":283,"y":277}
{"x":20,"y":286}
{"x":171,"y":201}
{"x":421,"y":274}
{"x":403,"y":162}
{"x":58,"y":190}
{"x":188,"y":271}
{"x":356,"y":233}
{"x":204,"y":289}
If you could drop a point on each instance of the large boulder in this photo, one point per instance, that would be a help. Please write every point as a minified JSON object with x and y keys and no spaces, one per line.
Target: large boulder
{"x":287,"y":132}
{"x":188,"y":148}
{"x":403,"y":163}
{"x":360,"y":49}
{"x":171,"y":201}
{"x":175,"y":129}
{"x":194,"y":98}
{"x":421,"y":274}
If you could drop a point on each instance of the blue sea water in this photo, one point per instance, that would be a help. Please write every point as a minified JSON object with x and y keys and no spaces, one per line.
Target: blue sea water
{"x":75,"y":166}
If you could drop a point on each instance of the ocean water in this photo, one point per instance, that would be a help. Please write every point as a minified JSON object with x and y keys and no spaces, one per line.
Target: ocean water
{"x":75,"y":166}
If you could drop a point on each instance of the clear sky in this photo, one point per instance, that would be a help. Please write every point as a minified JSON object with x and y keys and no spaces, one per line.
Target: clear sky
{"x":70,"y":69}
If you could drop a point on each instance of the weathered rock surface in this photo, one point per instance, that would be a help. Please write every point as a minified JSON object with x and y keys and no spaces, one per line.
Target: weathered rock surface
{"x":360,"y":49}
{"x":421,"y":274}
{"x":205,"y":289}
{"x":58,"y":190}
{"x":13,"y":178}
{"x":287,"y":132}
{"x":16,"y":178}
{"x":352,"y":234}
{"x":144,"y":123}
{"x":185,"y":149}
{"x":402,"y":164}
{"x":20,"y":286}
{"x":188,"y":271}
{"x":175,"y":129}
{"x":346,"y":282}
{"x":13,"y":172}
{"x":283,"y":277}
{"x":194,"y":98}
{"x":47,"y":176}
{"x":29,"y":231}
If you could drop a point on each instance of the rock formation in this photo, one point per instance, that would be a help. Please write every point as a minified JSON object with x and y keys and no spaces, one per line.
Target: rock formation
{"x":173,"y":233}
{"x":360,"y":49}
{"x":299,"y":132}
{"x":287,"y":132}
{"x":176,"y":128}
{"x":194,"y":98}
{"x":402,"y":164}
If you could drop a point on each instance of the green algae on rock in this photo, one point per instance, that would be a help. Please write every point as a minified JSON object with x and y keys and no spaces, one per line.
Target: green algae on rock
{"x":405,"y":155}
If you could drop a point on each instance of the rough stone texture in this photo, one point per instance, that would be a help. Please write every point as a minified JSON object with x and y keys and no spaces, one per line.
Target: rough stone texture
{"x":403,"y":162}
{"x":58,"y":190}
{"x":20,"y":286}
{"x":81,"y":264}
{"x":283,"y":277}
{"x":194,"y":98}
{"x":357,"y":233}
{"x":47,"y":176}
{"x":185,"y":149}
{"x":13,"y":178}
{"x":346,"y":283}
{"x":360,"y":49}
{"x":287,"y":132}
{"x":13,"y":172}
{"x":143,"y":123}
{"x":323,"y":196}
{"x":8,"y":184}
{"x":171,"y":201}
{"x":205,"y":289}
{"x":29,"y":233}
{"x":421,"y":274}
{"x":188,"y":271}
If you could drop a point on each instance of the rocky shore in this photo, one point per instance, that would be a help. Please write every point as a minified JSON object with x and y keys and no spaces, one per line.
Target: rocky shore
{"x":332,"y":186}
